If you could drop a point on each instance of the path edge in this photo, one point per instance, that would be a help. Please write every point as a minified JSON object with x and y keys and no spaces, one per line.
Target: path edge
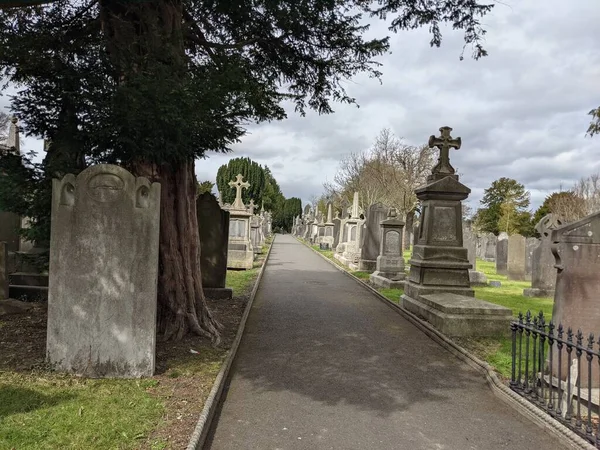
{"x":499,"y":389}
{"x":204,"y":423}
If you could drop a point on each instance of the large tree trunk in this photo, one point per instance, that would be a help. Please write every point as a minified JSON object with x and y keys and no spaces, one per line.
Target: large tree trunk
{"x":136,"y":33}
{"x":181,"y":305}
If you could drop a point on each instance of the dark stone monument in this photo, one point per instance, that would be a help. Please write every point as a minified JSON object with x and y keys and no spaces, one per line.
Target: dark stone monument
{"x":515,"y":265}
{"x":543,"y":272}
{"x":337,"y":222}
{"x":438,"y":287}
{"x":213,"y":228}
{"x":390,"y":262}
{"x":3,"y":271}
{"x":376,"y":213}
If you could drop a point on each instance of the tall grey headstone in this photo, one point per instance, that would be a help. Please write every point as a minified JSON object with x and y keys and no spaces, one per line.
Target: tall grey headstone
{"x":213,"y":230}
{"x":376,"y":214}
{"x":576,"y":249}
{"x":470,"y":242}
{"x":337,"y":222}
{"x":543,"y":272}
{"x":103,"y":273}
{"x":515,"y":265}
{"x":502,"y":254}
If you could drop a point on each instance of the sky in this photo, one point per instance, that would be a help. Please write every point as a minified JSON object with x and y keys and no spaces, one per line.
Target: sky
{"x":521,"y":111}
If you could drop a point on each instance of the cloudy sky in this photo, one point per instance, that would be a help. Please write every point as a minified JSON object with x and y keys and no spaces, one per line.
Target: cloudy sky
{"x":521,"y":112}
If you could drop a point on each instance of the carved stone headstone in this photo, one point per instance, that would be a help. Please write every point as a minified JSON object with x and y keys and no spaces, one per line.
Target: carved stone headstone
{"x":370,"y":248}
{"x":390,"y":262}
{"x":348,"y":250}
{"x":502,"y":254}
{"x":530,"y":244}
{"x":103,"y":273}
{"x":337,"y":222}
{"x":515,"y":265}
{"x":240,"y":253}
{"x":543,"y":272}
{"x":213,"y":229}
{"x":438,"y":287}
{"x":576,"y":249}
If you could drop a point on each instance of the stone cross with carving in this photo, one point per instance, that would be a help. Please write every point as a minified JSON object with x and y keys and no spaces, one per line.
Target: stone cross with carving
{"x":251,"y":206}
{"x":239,"y":185}
{"x":444,"y":143}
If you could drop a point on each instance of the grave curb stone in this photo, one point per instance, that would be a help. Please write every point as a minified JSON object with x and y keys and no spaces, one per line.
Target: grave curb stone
{"x":500,"y":390}
{"x":207,"y":415}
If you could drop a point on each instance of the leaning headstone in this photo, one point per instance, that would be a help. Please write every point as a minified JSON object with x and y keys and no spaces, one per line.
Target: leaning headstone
{"x":502,"y":254}
{"x":515,"y":265}
{"x":3,"y":271}
{"x":370,"y":248}
{"x":543,"y":272}
{"x":103,"y":273}
{"x":213,"y":229}
{"x":438,"y":288}
{"x":390,"y":262}
{"x":576,"y":249}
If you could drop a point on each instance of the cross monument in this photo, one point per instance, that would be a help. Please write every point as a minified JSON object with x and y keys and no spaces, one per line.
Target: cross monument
{"x":239,"y":185}
{"x":444,"y":142}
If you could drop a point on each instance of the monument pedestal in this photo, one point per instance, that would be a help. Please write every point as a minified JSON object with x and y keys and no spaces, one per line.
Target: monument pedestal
{"x":218,"y":293}
{"x":460,"y":315}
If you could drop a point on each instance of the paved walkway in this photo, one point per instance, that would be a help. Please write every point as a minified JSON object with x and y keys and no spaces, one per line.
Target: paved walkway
{"x":325,"y":365}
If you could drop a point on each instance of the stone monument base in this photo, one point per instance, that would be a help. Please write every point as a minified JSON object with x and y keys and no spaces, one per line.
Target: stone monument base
{"x":218,"y":293}
{"x":381,"y":280}
{"x":367,"y":265}
{"x":477,"y":278}
{"x":459,"y":315}
{"x":535,"y":292}
{"x":242,"y":258}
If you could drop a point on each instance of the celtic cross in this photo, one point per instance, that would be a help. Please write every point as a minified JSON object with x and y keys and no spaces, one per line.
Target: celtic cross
{"x":238,"y":185}
{"x":444,"y":143}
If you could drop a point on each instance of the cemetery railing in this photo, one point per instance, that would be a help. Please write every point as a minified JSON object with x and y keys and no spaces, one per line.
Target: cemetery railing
{"x":555,"y":369}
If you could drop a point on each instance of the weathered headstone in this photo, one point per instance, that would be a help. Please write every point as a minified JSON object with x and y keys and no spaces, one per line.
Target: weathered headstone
{"x":390,"y":262}
{"x":515,"y":265}
{"x":103,"y":273}
{"x":213,"y":229}
{"x":438,"y":288}
{"x":370,"y":247}
{"x":348,"y":250}
{"x":3,"y":271}
{"x":502,"y":254}
{"x":576,"y":249}
{"x":470,"y":243}
{"x":337,"y":223}
{"x":530,"y":244}
{"x":543,"y":272}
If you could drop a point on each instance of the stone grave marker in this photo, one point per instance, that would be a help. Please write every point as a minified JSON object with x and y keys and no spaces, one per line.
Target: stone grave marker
{"x":213,"y":229}
{"x":103,"y":273}
{"x":543,"y":272}
{"x":502,"y":254}
{"x":390,"y":262}
{"x":576,"y":250}
{"x":370,"y":247}
{"x":515,"y":265}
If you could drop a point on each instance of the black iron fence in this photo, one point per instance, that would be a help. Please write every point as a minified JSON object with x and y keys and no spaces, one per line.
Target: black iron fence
{"x":555,"y":369}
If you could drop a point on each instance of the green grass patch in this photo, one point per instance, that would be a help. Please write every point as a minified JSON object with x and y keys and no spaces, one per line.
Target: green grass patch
{"x":391,"y":294}
{"x":361,"y":275}
{"x":61,"y":411}
{"x":241,"y":281}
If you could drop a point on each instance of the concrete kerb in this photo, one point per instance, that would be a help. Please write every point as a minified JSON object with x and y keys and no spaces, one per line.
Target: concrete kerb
{"x":499,"y":389}
{"x":200,"y":433}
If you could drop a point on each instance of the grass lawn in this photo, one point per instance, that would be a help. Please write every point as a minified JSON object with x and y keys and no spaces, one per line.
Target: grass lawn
{"x":496,"y":351}
{"x":40,"y":408}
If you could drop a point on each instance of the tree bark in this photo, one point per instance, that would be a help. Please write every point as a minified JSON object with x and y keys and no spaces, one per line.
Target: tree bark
{"x":136,"y":34}
{"x":182,"y":307}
